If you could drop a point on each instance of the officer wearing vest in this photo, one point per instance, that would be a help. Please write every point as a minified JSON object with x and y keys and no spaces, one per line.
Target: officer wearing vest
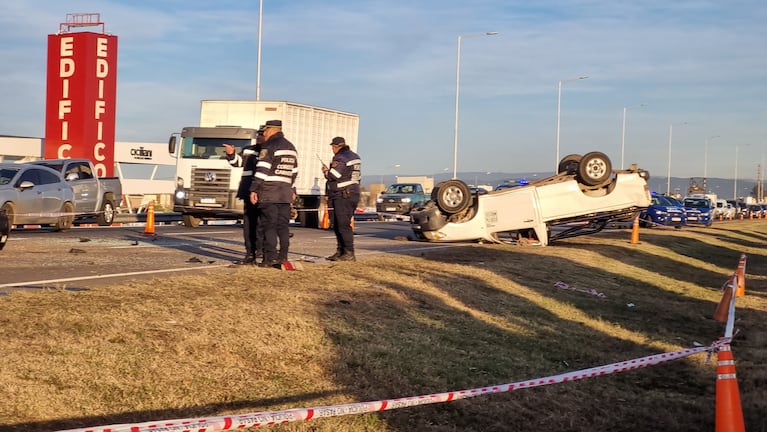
{"x":343,"y":187}
{"x":272,"y":190}
{"x":253,"y":232}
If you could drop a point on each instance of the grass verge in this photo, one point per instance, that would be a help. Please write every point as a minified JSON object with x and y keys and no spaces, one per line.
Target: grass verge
{"x":247,"y":339}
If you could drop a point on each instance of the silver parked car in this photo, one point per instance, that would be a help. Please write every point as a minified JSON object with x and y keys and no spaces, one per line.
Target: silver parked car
{"x":35,"y":195}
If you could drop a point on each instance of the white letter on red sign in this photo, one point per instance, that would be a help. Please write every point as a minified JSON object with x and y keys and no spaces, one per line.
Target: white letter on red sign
{"x":66,"y":67}
{"x":102,"y":68}
{"x":64,"y":151}
{"x":65,"y":49}
{"x":99,"y":109}
{"x":65,"y":107}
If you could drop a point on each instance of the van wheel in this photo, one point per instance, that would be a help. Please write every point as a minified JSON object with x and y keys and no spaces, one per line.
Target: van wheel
{"x":107,"y":215}
{"x":452,"y":196}
{"x":569,"y":164}
{"x":594,"y":169}
{"x":190,"y":221}
{"x":67,"y":216}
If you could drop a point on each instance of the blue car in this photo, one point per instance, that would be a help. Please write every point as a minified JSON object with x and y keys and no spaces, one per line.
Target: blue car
{"x":663,"y":210}
{"x":702,"y":206}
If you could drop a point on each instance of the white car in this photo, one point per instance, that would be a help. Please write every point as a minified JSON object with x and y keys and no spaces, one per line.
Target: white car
{"x":35,"y":195}
{"x":584,"y":197}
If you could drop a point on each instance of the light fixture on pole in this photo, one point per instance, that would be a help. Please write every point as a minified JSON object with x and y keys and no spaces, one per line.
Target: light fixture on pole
{"x":705,"y":155}
{"x":559,"y":103}
{"x":668,"y":177}
{"x":623,"y":133}
{"x":457,"y":90}
{"x":258,"y":59}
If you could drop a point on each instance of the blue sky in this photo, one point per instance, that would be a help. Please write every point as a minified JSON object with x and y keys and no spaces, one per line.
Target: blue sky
{"x":703,"y":62}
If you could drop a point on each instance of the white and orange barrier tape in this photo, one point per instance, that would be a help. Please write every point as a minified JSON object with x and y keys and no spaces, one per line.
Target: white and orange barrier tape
{"x":270,"y":418}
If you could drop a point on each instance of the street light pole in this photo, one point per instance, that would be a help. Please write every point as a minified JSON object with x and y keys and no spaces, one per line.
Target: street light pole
{"x":559,"y":105}
{"x":623,"y":133}
{"x":735,"y":182}
{"x":457,"y":90}
{"x":705,"y":155}
{"x":258,"y":60}
{"x":668,"y":177}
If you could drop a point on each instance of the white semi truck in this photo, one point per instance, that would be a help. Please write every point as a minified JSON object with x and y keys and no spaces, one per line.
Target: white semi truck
{"x":206,"y":185}
{"x":582,"y":198}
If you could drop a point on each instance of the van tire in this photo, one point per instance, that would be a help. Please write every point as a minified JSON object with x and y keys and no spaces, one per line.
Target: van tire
{"x":594,"y":169}
{"x":452,"y":196}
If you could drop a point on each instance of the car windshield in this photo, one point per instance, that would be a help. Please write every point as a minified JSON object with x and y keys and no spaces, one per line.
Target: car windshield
{"x":400,"y":189}
{"x":209,"y":148}
{"x":664,"y":200}
{"x":695,"y":202}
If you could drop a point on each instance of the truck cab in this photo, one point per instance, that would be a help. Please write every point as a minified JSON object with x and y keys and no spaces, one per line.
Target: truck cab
{"x":206,"y":184}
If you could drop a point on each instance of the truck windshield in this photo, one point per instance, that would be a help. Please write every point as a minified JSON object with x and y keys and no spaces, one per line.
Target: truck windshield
{"x":209,"y":148}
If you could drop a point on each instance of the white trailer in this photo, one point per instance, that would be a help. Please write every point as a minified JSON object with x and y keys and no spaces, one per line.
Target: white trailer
{"x":206,"y":184}
{"x":583,"y":198}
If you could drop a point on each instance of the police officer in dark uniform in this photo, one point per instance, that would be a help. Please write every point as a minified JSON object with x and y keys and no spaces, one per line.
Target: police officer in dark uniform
{"x":253,"y":232}
{"x":272,"y":189}
{"x":343,"y":187}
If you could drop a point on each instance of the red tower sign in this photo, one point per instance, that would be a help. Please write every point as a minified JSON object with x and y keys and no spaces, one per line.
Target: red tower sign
{"x":81,"y":94}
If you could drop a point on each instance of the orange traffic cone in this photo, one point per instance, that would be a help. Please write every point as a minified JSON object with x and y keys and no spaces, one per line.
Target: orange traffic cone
{"x":149,"y":230}
{"x":635,"y":231}
{"x":352,"y":223}
{"x":325,"y":223}
{"x":741,"y":274}
{"x":722,"y":311}
{"x":729,"y":412}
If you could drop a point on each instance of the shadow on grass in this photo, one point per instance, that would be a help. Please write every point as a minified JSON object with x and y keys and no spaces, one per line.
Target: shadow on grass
{"x":494,"y":317}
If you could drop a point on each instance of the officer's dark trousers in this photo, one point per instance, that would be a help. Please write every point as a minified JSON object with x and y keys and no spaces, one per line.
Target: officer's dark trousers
{"x":253,"y":232}
{"x":275,"y":218}
{"x":342,"y":214}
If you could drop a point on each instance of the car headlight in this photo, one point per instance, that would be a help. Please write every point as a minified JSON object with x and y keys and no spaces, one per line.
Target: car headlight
{"x":379,"y":200}
{"x":180,"y":194}
{"x":406,"y":200}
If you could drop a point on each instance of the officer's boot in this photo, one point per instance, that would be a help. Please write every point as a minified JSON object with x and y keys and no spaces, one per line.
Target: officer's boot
{"x":348,"y":255}
{"x":335,"y":256}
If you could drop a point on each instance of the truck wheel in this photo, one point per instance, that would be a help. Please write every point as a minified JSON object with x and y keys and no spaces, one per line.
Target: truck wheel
{"x":569,"y":164}
{"x":65,"y":220}
{"x":107,"y":215}
{"x":10,"y":212}
{"x":452,"y":196}
{"x":595,"y":168}
{"x":190,"y":221}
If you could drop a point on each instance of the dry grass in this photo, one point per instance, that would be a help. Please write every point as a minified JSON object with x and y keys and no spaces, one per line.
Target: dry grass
{"x":249,"y":340}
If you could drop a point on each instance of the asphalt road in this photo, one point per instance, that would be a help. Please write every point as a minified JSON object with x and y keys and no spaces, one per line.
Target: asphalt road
{"x":86,"y":257}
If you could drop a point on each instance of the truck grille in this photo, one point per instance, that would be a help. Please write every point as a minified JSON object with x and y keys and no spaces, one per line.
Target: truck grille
{"x":210,"y":188}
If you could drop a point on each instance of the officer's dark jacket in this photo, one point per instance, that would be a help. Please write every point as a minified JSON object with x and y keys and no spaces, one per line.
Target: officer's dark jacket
{"x":246,"y":159}
{"x":344,"y":174}
{"x":276,"y":171}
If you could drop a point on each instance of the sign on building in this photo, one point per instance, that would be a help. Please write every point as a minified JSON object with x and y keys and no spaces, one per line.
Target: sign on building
{"x":81,"y":94}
